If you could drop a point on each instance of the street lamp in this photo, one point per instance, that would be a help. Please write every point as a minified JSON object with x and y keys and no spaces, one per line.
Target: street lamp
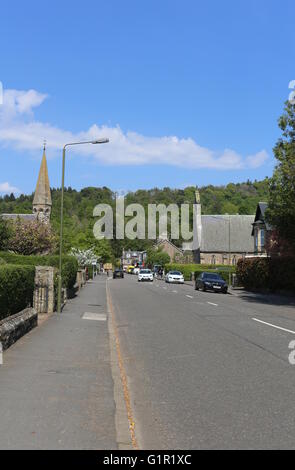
{"x":94,"y":142}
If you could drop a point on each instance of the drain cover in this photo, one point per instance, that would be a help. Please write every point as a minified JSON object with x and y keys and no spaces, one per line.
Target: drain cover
{"x":94,"y":316}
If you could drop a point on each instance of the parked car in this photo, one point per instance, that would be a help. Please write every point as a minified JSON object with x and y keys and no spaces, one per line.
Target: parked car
{"x":118,"y":273}
{"x":174,"y":276}
{"x":145,"y":275}
{"x":136,"y":270}
{"x":211,"y":281}
{"x":130,"y":269}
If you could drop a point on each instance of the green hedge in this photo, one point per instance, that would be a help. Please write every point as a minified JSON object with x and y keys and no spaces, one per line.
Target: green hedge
{"x":16,"y":288}
{"x":197,"y":269}
{"x":267,"y":273}
{"x":69,"y":264}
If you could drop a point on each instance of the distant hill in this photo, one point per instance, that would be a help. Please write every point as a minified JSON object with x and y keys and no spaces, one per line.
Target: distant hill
{"x":240,"y":198}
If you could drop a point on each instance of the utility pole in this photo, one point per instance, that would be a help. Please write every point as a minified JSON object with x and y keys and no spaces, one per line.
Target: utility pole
{"x":229,"y":250}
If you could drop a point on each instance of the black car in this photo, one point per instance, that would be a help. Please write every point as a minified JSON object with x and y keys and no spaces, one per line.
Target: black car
{"x":118,"y":273}
{"x":211,"y":281}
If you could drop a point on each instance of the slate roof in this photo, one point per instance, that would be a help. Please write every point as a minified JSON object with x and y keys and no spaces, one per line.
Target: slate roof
{"x":166,"y":241}
{"x":215,"y":233}
{"x":260,"y":215}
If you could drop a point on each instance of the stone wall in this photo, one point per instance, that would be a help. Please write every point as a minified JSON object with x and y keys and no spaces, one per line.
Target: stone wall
{"x":44,"y":289}
{"x":81,"y":278}
{"x":16,"y":326}
{"x":220,"y":258}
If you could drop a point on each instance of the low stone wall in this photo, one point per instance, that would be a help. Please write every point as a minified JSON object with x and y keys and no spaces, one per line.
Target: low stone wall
{"x":16,"y":326}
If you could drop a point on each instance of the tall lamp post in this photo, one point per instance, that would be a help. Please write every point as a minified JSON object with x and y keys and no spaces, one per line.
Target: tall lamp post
{"x":99,"y":141}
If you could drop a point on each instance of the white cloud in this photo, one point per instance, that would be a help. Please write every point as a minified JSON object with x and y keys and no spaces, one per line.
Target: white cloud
{"x":257,"y":160}
{"x":19,"y":129}
{"x":16,"y":102}
{"x":6,"y":188}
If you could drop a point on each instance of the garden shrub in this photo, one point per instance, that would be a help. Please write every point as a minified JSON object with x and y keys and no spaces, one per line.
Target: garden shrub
{"x":267,"y":273}
{"x":197,"y":269}
{"x":69,"y":264}
{"x":16,"y":288}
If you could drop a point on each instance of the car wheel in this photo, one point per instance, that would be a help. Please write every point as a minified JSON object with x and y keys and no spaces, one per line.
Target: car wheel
{"x":204,"y":289}
{"x":196,"y":287}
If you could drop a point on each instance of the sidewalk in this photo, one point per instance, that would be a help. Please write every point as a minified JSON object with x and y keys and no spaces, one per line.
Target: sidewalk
{"x":56,"y":386}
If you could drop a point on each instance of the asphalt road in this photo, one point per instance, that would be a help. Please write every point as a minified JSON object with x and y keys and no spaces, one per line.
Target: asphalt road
{"x":203,"y":371}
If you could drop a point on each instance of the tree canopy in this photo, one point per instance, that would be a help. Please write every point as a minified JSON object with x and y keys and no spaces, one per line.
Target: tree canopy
{"x":281,"y":208}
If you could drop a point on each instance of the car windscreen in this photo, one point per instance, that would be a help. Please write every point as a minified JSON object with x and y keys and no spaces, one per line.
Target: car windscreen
{"x":212,"y":277}
{"x":145,"y":271}
{"x":176,"y":273}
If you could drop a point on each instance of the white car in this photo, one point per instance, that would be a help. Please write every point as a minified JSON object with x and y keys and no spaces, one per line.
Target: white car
{"x":136,"y":270}
{"x":174,"y":276}
{"x":145,"y":275}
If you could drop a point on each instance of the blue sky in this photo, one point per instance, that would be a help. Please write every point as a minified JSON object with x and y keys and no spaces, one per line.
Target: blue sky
{"x":188,"y":91}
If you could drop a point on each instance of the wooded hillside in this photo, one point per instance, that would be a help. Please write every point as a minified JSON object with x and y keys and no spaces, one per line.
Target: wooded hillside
{"x":239,"y":198}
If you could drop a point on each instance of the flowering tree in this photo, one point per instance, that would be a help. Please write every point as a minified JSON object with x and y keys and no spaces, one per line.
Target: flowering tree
{"x":30,"y":237}
{"x":84,"y":257}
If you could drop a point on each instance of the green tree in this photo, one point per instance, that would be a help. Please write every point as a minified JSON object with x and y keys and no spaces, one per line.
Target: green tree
{"x":281,"y":208}
{"x":4,"y":233}
{"x":159,"y":256}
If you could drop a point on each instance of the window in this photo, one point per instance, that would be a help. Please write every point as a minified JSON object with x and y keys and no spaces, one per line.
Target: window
{"x":234,"y":260}
{"x":256,"y":240}
{"x":213,"y":259}
{"x":262,"y":238}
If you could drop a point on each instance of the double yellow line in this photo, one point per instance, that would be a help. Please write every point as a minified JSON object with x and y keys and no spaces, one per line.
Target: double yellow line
{"x":122,"y":372}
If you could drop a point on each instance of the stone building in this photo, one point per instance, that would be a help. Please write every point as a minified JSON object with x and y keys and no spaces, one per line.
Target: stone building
{"x":222,"y":239}
{"x":167,"y":246}
{"x":42,"y":202}
{"x":261,"y":229}
{"x":133,"y":258}
{"x":218,"y":239}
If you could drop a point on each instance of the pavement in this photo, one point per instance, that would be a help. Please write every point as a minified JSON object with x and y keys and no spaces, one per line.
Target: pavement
{"x":57,"y":382}
{"x":206,"y":370}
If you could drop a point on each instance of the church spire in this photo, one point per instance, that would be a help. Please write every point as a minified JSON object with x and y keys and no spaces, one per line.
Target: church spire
{"x":42,"y":199}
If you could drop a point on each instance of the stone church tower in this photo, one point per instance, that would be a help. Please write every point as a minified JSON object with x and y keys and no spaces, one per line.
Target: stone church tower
{"x":42,"y":199}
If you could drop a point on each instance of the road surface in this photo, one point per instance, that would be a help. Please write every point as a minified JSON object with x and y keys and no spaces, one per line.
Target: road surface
{"x":203,"y":370}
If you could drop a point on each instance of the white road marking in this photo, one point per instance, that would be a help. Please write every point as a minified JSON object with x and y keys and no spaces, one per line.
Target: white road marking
{"x":211,"y":303}
{"x":274,"y":326}
{"x":175,"y":291}
{"x":189,"y":296}
{"x":94,"y":316}
{"x":164,"y":287}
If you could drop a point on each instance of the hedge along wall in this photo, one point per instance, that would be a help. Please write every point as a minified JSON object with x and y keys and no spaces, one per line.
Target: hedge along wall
{"x":69,"y":264}
{"x":197,"y":269}
{"x":16,"y":288}
{"x":267,"y":273}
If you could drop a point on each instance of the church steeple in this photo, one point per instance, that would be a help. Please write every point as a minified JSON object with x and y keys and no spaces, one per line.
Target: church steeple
{"x":42,"y":199}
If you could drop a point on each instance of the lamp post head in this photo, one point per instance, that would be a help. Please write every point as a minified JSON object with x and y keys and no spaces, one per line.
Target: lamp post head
{"x":100,"y":141}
